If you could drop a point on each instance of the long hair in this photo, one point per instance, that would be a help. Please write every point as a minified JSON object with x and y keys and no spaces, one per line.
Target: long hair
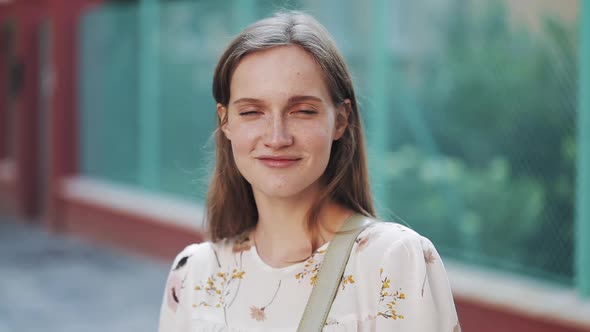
{"x":231,"y":208}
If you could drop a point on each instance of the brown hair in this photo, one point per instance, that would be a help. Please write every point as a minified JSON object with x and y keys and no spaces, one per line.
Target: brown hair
{"x":231,"y":208}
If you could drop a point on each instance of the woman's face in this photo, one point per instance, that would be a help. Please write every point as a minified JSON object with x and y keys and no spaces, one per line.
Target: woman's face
{"x":281,"y":122}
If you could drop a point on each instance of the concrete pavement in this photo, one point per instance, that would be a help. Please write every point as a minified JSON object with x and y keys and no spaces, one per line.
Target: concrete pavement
{"x":52,"y":283}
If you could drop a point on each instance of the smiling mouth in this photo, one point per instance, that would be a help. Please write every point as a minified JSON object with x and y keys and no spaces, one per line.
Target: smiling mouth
{"x":279,"y":162}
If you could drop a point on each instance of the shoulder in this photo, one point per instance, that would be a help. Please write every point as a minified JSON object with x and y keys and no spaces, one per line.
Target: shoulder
{"x":387,"y":235}
{"x":210,"y":252}
{"x":391,"y":242}
{"x":406,"y":275}
{"x":187,"y":255}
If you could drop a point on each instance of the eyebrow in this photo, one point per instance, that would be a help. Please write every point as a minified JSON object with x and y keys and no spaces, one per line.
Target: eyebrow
{"x":291,"y":100}
{"x":298,"y":99}
{"x":247,"y":100}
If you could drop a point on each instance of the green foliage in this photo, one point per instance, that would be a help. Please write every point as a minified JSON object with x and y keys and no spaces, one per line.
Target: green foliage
{"x":499,"y":104}
{"x":484,"y":210}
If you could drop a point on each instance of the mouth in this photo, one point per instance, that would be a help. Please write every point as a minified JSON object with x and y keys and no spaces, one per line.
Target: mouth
{"x":279,"y":161}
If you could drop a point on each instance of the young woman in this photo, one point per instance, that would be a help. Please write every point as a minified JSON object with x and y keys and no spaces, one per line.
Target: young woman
{"x":290,"y":169}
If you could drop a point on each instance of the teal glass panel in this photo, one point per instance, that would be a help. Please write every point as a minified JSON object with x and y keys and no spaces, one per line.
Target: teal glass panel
{"x":469,"y":108}
{"x":108,"y":94}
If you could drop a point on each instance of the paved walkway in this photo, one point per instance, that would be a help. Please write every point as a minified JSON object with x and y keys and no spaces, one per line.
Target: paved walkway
{"x":54,"y":283}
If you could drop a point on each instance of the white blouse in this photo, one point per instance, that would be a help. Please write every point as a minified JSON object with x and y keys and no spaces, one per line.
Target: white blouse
{"x":394,"y":281}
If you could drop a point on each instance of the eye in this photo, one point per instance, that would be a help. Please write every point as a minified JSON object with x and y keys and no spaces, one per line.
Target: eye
{"x":250,"y":113}
{"x":306,"y":112}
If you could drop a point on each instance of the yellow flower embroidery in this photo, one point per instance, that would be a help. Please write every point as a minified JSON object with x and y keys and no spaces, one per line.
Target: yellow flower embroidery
{"x":238,"y":275}
{"x":388,"y":300}
{"x":216,"y":290}
{"x":222,"y":276}
{"x":217,"y":287}
{"x":347,"y":280}
{"x":313,"y":280}
{"x":311,"y":268}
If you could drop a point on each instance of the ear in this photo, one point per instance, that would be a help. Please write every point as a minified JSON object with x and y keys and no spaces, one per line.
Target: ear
{"x":222,"y":116}
{"x":342,"y":113}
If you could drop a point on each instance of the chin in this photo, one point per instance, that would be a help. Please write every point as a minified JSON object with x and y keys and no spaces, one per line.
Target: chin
{"x":284,"y":190}
{"x":281,"y":193}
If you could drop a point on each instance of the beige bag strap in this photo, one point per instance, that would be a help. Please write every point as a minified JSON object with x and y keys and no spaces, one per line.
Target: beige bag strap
{"x":324,"y":291}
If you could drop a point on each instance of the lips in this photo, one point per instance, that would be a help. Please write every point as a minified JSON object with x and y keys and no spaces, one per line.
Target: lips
{"x":279,"y":161}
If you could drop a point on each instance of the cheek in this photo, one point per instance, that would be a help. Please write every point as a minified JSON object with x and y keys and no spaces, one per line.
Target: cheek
{"x":242,"y":137}
{"x":318,"y":140}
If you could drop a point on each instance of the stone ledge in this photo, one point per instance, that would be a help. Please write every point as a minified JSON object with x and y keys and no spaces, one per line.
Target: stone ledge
{"x":518,"y":294}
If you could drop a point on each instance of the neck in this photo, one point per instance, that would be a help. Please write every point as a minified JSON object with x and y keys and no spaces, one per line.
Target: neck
{"x":281,"y":235}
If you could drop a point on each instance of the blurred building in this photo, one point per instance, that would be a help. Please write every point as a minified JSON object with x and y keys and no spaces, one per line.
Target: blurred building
{"x":106,"y":118}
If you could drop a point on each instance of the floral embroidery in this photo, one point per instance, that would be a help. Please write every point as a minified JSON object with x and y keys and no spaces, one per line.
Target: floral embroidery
{"x":388,"y":301}
{"x":220,"y":285}
{"x":347,"y":280}
{"x":258,"y":313}
{"x":331,"y":321}
{"x":242,"y":243}
{"x":429,"y":258}
{"x":217,"y":286}
{"x":311,"y":268}
{"x":363,"y":241}
{"x":174,"y":284}
{"x":181,"y":263}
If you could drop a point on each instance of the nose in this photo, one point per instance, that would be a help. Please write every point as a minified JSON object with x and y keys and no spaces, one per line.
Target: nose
{"x":277,"y":134}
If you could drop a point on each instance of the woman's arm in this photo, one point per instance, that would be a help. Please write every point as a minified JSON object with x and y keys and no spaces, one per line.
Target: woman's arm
{"x":174,"y":313}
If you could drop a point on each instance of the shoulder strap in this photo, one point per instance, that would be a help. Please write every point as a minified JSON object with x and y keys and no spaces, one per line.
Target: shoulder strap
{"x":324,"y":291}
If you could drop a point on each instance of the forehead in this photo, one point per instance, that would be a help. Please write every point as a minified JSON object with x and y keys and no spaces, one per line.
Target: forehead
{"x":278,"y":73}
